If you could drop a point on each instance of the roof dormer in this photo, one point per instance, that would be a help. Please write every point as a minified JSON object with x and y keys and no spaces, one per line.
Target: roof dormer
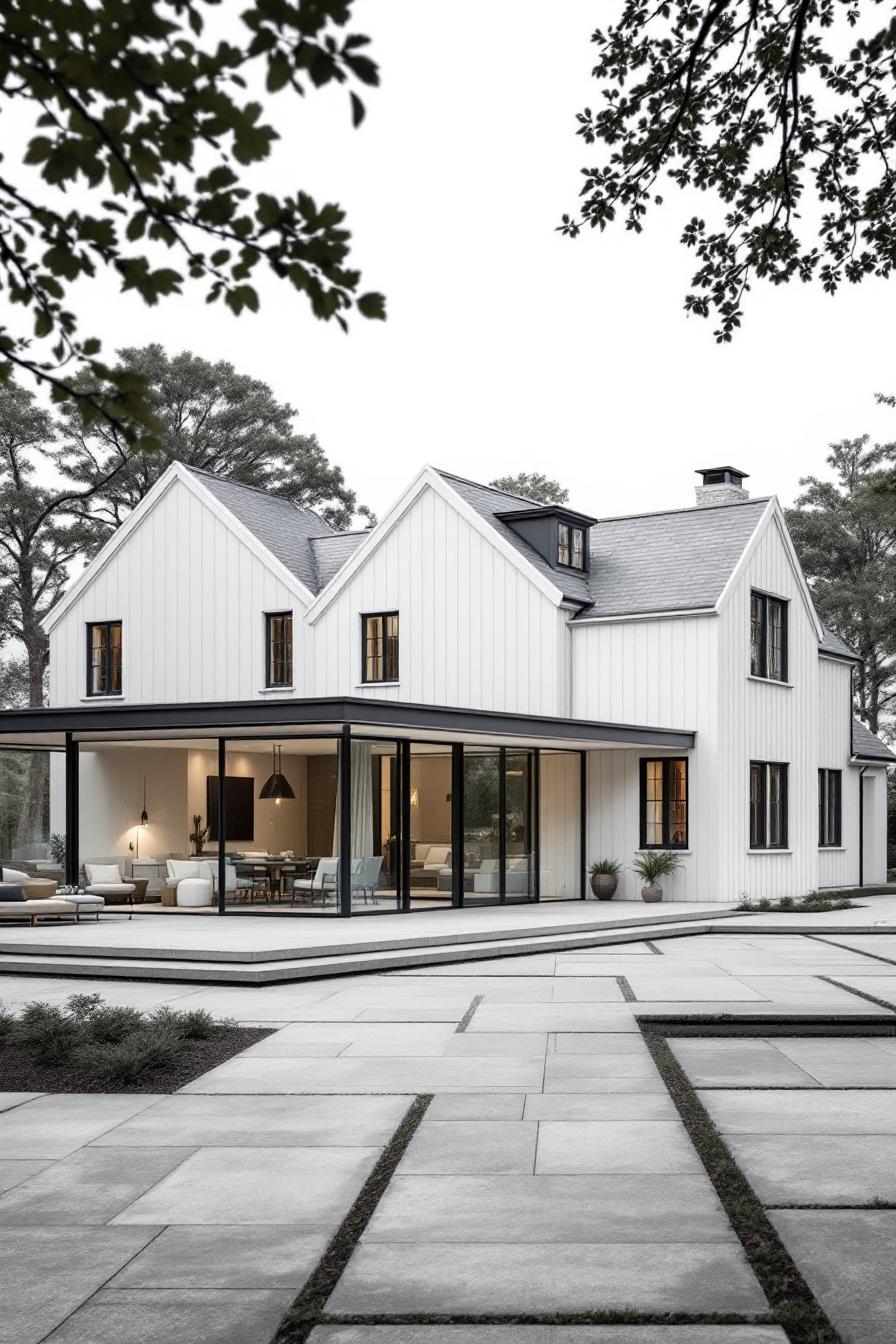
{"x":560,"y":535}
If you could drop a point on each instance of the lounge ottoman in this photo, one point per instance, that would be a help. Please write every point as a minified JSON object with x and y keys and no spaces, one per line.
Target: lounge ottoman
{"x":85,"y":903}
{"x":194,"y":891}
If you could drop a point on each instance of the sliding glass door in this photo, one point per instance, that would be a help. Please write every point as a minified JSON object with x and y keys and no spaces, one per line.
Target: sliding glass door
{"x":498,"y":829}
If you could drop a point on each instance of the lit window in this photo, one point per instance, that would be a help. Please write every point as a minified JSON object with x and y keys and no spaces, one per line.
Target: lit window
{"x":570,"y":546}
{"x":278,"y":642}
{"x":664,"y":803}
{"x":104,"y":658}
{"x":379,"y":634}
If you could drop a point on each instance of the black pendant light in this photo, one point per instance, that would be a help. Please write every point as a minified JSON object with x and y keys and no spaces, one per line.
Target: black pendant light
{"x":144,"y":816}
{"x":277,"y":786}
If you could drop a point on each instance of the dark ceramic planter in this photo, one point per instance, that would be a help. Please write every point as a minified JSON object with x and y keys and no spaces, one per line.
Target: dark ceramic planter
{"x":652,"y":893}
{"x":604,"y":885}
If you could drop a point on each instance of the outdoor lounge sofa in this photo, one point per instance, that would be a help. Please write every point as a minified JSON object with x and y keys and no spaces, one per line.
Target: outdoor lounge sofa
{"x":15,"y":902}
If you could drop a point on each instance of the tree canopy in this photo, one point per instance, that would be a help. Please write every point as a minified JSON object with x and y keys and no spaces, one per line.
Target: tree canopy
{"x":782,"y":111}
{"x":210,"y":417}
{"x":135,"y":165}
{"x":844,"y":531}
{"x":532,"y":485}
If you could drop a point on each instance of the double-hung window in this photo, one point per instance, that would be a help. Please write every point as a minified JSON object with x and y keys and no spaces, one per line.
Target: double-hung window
{"x":570,"y":546}
{"x":830,"y":808}
{"x":379,"y":646}
{"x":664,"y":803}
{"x":278,"y":648}
{"x":768,"y":805}
{"x":768,"y":637}
{"x":104,"y":658}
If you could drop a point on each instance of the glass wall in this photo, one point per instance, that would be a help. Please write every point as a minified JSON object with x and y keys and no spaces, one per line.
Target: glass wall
{"x":32,"y":839}
{"x":498,"y":826}
{"x":431,"y":858}
{"x":376,"y":827}
{"x":519,"y":848}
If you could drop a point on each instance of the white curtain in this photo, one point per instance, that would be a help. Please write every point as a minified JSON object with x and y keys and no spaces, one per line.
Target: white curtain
{"x":361,"y":803}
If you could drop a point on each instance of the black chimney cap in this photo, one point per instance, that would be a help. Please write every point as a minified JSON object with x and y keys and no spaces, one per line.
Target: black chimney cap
{"x":721,"y":475}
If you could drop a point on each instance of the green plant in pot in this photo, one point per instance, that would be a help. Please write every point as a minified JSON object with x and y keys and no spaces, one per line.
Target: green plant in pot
{"x":198,"y":835}
{"x":605,"y":878}
{"x":652,"y":866}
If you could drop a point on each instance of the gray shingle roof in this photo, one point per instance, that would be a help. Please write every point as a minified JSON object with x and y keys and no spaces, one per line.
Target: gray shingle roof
{"x":672,"y":561}
{"x":284,"y":528}
{"x":868,"y":747}
{"x":832,"y":643}
{"x":331,"y":553}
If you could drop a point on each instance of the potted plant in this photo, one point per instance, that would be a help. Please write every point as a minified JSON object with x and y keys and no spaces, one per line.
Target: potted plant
{"x":605,"y":878}
{"x":198,"y":835}
{"x":652,"y":866}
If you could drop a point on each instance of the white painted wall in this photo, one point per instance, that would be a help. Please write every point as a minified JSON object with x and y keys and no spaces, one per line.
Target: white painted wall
{"x":560,"y":794}
{"x":838,"y":867}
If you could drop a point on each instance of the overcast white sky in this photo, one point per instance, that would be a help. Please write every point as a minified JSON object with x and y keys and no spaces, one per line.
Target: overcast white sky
{"x":508,"y":347}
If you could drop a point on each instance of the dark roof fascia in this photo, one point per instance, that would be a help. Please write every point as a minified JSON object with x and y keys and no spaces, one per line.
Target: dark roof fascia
{"x":560,"y":510}
{"x":839,"y":657}
{"x":330,"y":710}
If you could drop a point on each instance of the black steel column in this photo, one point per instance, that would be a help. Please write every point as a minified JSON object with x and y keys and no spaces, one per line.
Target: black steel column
{"x":71,"y":811}
{"x":345,"y":821}
{"x":583,"y":839}
{"x":405,"y":839}
{"x":457,"y":825}
{"x":502,"y":824}
{"x":222,"y":822}
{"x":535,"y":821}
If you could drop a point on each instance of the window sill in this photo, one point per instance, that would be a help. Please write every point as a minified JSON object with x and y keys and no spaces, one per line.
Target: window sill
{"x":92,"y":699}
{"x":663,"y":849}
{"x":832,"y":849}
{"x":769,"y":850}
{"x":366,"y":685}
{"x":771,"y":681}
{"x":276,"y":690}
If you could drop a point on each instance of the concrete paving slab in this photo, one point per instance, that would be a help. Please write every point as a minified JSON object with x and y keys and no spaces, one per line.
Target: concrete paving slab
{"x":816,"y":1112}
{"x":547,"y":1334}
{"x":225,"y":1257}
{"x":598,"y":1043}
{"x":523,"y":1044}
{"x":13,"y":1171}
{"x":586,"y":1073}
{"x":715,"y":1062}
{"x":410,"y":1075}
{"x":158,"y":1317}
{"x":8,"y":1100}
{"x":517,"y":1209}
{"x":600,"y":1106}
{"x":818,"y":1168}
{"x":54,"y":1126}
{"x":43,"y":1280}
{"x":259,"y":1121}
{"x":692,"y":989}
{"x":552,"y":1017}
{"x":455,"y":1146}
{"x":842,"y":1063}
{"x":546,"y":1278}
{"x":311,"y":1188}
{"x":88,"y":1187}
{"x":476,"y":1106}
{"x":586,"y":1146}
{"x":848,"y":1259}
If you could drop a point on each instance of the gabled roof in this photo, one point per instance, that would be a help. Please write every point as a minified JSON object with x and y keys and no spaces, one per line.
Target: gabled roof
{"x":283,"y":527}
{"x":867,"y":747}
{"x":832,"y":644}
{"x":677,"y":560}
{"x":331,"y":553}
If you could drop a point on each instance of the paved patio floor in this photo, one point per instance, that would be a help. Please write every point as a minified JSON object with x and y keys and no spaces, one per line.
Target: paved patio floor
{"x":550,"y":1177}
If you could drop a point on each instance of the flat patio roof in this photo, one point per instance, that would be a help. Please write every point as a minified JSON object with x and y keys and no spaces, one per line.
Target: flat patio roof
{"x":46,"y":729}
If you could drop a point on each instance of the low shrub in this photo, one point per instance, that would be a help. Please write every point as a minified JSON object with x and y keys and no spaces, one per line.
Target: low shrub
{"x":194,"y":1023}
{"x":48,"y":1032}
{"x":148,"y":1049}
{"x":7,"y":1022}
{"x":816,"y":903}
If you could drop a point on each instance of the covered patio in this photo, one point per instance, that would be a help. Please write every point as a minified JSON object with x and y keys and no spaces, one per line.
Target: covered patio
{"x":236,"y":808}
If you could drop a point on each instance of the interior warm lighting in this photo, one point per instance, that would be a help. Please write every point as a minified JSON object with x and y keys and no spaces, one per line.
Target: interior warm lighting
{"x":415,"y":798}
{"x":144,"y":816}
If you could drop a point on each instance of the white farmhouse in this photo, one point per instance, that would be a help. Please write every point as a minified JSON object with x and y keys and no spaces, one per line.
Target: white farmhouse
{"x":472,"y":701}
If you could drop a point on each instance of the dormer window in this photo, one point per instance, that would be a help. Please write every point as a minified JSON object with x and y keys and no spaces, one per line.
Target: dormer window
{"x":570,"y":546}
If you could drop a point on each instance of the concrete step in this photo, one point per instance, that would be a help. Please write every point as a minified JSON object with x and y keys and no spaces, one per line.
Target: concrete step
{"x":279,"y":971}
{"x":334,"y":945}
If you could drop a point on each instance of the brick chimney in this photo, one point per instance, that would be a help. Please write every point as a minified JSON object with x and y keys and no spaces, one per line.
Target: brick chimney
{"x":721,"y":485}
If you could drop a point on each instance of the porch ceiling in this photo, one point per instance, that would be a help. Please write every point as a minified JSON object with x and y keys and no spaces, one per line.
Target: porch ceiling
{"x":46,"y":729}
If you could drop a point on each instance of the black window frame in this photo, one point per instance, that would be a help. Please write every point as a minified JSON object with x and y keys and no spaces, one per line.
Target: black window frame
{"x":389,"y":659}
{"x":759,"y":666}
{"x":666,"y":762}
{"x":108,"y":689}
{"x":830,"y":820}
{"x":573,"y":531}
{"x":270,"y":658}
{"x":759,"y":833}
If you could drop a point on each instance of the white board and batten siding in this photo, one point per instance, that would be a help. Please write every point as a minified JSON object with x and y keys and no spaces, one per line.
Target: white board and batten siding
{"x":475,"y":631}
{"x":190,"y":596}
{"x":660,"y":672}
{"x":838,"y":867}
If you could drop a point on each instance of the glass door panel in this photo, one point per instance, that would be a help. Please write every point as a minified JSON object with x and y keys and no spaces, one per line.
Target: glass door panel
{"x":519,"y":857}
{"x":482,"y":826}
{"x":431,"y":858}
